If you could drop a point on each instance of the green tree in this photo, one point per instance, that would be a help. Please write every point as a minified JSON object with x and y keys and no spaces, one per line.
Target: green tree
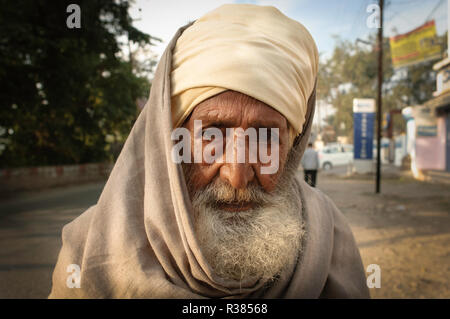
{"x":64,"y":91}
{"x":351,"y":72}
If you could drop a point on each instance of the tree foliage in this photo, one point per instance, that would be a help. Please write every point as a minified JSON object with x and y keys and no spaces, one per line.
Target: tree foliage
{"x":351,"y":72}
{"x":65,"y":93}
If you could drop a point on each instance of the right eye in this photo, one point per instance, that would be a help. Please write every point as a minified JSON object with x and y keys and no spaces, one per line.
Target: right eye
{"x":212,"y":134}
{"x":207,"y":134}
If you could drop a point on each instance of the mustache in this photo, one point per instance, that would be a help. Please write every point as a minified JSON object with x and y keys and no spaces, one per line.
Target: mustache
{"x":220,"y":192}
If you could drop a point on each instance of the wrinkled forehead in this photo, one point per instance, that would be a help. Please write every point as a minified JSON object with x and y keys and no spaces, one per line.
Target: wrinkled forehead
{"x":234,"y":109}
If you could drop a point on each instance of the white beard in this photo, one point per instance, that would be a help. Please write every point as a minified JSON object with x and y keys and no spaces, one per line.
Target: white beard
{"x":254,"y":244}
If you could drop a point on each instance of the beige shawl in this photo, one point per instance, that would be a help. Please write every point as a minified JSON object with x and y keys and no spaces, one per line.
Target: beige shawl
{"x":138,"y":240}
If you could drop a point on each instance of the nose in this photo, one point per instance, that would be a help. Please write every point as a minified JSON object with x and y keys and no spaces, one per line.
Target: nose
{"x":237,"y":175}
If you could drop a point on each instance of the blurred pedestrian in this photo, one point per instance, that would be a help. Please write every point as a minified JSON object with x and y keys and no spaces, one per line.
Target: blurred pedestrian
{"x":310,"y":163}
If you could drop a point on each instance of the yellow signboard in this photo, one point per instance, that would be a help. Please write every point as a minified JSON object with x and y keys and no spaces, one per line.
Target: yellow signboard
{"x":415,"y":46}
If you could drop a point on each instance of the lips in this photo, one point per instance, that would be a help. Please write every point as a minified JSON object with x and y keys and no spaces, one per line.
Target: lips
{"x":236,"y":206}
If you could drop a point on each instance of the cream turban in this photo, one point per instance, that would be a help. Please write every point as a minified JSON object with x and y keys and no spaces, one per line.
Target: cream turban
{"x":255,"y":50}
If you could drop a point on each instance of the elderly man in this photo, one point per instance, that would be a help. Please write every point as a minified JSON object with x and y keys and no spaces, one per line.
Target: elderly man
{"x":183,"y":215}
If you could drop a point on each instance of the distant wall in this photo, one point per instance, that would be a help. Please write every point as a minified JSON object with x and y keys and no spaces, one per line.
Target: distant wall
{"x":34,"y":178}
{"x":430,"y":151}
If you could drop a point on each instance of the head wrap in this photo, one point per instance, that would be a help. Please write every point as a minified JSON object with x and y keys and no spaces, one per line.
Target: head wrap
{"x":254,"y":50}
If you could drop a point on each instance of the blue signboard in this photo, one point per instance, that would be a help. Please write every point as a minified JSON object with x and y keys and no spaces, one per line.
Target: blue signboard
{"x":363,"y":134}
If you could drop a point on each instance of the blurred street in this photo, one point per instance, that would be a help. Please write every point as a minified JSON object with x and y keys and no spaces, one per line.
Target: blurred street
{"x":361,"y":87}
{"x":405,"y":230}
{"x":30,"y":236}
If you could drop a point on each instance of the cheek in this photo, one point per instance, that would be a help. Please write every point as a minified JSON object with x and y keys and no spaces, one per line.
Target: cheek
{"x":203,"y":174}
{"x":270,"y":181}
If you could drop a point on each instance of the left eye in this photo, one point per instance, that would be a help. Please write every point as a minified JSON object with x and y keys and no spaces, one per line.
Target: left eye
{"x":267,"y":136}
{"x":207,"y":134}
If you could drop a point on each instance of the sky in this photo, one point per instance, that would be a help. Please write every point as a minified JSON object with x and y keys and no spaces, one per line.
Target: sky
{"x":323,"y":18}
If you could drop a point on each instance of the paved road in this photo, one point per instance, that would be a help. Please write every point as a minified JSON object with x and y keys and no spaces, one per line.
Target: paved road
{"x":405,"y":230}
{"x":30,"y":236}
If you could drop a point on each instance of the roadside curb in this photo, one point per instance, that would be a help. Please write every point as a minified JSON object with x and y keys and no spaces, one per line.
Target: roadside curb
{"x":40,"y":177}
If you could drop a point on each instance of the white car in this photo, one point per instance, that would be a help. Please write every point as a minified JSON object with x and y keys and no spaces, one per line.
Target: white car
{"x":335,"y":155}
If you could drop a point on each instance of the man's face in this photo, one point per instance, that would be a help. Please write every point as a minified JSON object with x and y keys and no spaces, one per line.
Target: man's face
{"x":235,"y":110}
{"x":248,"y":224}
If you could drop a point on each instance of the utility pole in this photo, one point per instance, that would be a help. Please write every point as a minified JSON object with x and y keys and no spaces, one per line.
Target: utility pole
{"x":379,"y":96}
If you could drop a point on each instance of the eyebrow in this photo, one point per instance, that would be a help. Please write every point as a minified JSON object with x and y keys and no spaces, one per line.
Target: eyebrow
{"x":224,"y":123}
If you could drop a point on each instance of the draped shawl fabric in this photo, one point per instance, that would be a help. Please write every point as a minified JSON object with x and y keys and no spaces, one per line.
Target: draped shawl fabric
{"x":138,"y":241}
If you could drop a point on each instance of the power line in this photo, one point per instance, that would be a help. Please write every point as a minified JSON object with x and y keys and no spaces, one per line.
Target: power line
{"x":356,"y":30}
{"x":403,"y":2}
{"x":434,"y":9}
{"x":395,"y":14}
